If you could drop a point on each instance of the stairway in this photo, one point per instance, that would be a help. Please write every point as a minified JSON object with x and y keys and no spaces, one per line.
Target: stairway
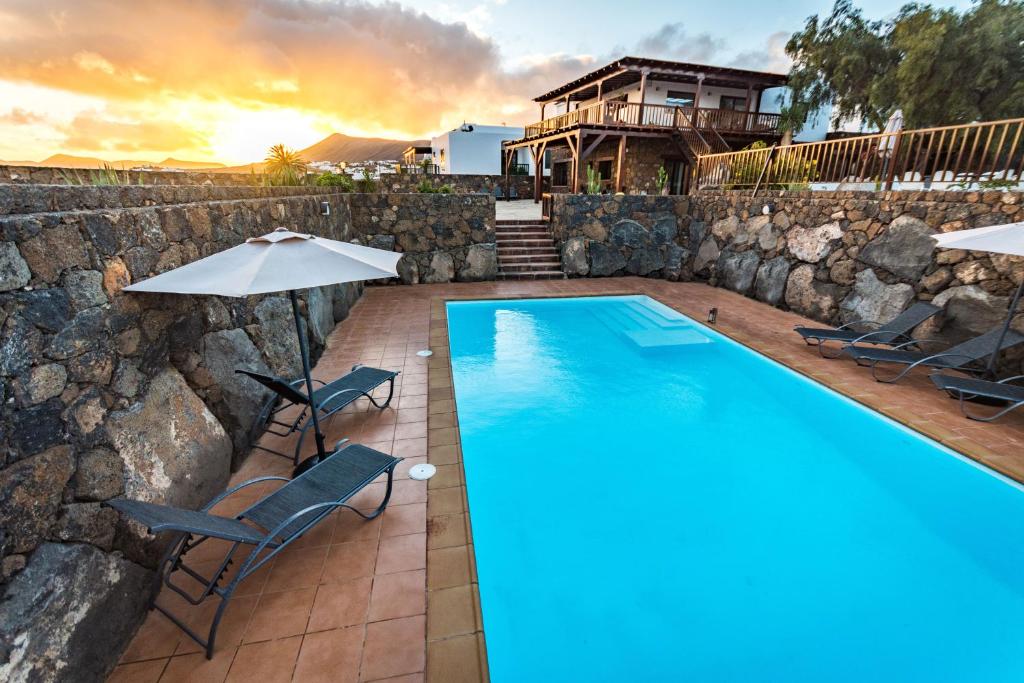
{"x":526,"y":251}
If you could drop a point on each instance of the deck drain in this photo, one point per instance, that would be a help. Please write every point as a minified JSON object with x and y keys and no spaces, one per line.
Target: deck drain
{"x":422,"y":472}
{"x":425,"y":353}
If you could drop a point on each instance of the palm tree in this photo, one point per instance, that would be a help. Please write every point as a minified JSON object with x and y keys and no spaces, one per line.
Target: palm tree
{"x":285,"y":166}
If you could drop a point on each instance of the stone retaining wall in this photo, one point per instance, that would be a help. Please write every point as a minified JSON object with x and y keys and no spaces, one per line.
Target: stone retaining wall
{"x":49,"y":175}
{"x":396,"y":182}
{"x":445,"y":237}
{"x":460,"y":184}
{"x":107,"y":393}
{"x":832,"y":256}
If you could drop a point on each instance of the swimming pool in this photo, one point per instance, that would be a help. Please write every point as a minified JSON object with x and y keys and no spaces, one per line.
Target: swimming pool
{"x":652,"y":501}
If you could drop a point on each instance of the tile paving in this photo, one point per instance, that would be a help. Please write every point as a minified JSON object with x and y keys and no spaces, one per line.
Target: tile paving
{"x":395,"y":599}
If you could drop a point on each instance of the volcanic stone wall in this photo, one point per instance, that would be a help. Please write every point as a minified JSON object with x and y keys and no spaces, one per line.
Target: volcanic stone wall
{"x":49,"y":175}
{"x":396,"y":182}
{"x":460,"y":184}
{"x":445,"y":237}
{"x":108,"y":393}
{"x":836,"y":257}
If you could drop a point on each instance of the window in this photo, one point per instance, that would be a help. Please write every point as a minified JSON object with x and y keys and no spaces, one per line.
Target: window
{"x":604,"y":169}
{"x":547,"y":160}
{"x":560,"y":174}
{"x":679,"y":98}
{"x":734,"y":103}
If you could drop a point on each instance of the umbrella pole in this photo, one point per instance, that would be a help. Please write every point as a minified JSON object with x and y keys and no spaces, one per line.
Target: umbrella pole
{"x":991,"y":370}
{"x":321,"y":451}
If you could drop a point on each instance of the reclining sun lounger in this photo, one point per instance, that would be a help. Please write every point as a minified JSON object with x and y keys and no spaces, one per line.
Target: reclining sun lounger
{"x":269,"y":525}
{"x":896,"y":331}
{"x":967,"y":388}
{"x":965,"y":356}
{"x":330,"y":398}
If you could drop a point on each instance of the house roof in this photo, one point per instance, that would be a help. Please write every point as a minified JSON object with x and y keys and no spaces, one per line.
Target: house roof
{"x":627,"y":70}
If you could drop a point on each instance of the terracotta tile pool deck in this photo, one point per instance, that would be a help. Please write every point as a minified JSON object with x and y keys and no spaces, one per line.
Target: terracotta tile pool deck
{"x":395,"y":599}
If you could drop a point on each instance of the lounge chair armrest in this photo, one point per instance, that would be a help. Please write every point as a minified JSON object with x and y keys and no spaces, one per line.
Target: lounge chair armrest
{"x":1011,"y":379}
{"x":918,"y":341}
{"x":940,"y":355}
{"x":302,"y":380}
{"x":234,"y":489}
{"x":867,"y":336}
{"x":253,"y":561}
{"x":859,"y":322}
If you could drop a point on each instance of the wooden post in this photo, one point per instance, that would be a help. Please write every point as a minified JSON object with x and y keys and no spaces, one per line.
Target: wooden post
{"x":600,"y":90}
{"x":542,"y":105}
{"x":618,"y":163}
{"x":538,"y":171}
{"x":696,"y":99}
{"x":643,"y":94}
{"x":891,"y":172}
{"x":575,"y":146}
{"x":749,"y":93}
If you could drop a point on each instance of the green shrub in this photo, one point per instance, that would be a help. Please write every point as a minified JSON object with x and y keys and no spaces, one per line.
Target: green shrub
{"x":339,"y":180}
{"x":366,"y":183}
{"x":427,"y":188}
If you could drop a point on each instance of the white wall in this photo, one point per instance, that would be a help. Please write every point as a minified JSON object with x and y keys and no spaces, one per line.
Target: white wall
{"x":657,"y":92}
{"x":476,"y":151}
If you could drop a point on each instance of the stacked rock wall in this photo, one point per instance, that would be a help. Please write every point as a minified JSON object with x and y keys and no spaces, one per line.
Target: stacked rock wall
{"x":832,"y":256}
{"x":445,"y":237}
{"x":396,"y":182}
{"x":108,"y":393}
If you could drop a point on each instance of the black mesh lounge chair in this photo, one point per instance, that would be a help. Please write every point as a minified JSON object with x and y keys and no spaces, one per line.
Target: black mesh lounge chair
{"x":498,"y":194}
{"x":965,"y":357}
{"x":896,"y":331}
{"x":513,"y":193}
{"x":268,"y":525}
{"x":966,"y":389}
{"x":330,"y":398}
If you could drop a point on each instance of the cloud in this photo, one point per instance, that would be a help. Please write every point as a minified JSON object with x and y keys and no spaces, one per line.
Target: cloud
{"x":22,"y":117}
{"x":176,"y":79}
{"x":772,"y":57}
{"x":672,"y":42}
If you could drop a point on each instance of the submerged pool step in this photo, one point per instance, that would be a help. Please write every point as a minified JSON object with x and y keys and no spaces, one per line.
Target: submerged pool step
{"x":647,"y":328}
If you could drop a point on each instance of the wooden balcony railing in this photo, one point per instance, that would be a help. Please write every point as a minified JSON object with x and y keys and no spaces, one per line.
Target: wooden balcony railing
{"x":634,"y":114}
{"x":987,"y":155}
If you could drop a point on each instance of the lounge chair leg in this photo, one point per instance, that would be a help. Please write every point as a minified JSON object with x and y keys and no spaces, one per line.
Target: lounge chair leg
{"x":391,"y":393}
{"x":383,"y":503}
{"x":215,"y":624}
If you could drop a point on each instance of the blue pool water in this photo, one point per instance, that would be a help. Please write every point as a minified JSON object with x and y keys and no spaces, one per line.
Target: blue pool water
{"x":651,"y":501}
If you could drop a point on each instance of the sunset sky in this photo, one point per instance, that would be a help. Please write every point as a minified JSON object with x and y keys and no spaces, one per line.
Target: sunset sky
{"x":224,"y":79}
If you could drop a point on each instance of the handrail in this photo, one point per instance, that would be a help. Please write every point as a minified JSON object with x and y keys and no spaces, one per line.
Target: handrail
{"x":957,"y":156}
{"x":634,"y":114}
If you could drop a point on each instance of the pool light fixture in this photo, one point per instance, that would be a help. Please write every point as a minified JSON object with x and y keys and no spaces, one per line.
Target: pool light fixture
{"x":712,"y":316}
{"x":425,"y":353}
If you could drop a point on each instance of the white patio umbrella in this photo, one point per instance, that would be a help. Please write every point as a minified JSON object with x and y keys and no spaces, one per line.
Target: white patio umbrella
{"x":278,"y":261}
{"x":892,"y":126}
{"x":998,"y":239}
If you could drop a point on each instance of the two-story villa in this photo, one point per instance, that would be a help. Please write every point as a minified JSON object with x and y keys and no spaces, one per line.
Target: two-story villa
{"x":633,"y":116}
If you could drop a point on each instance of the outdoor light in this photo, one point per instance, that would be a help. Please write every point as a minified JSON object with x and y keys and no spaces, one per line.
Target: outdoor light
{"x":712,"y":315}
{"x":325,"y":208}
{"x":767,"y":209}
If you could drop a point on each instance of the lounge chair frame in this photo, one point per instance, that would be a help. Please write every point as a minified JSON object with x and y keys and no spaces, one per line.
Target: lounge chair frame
{"x":880,"y":336}
{"x":273,"y":541}
{"x":968,"y":363}
{"x":268,"y":422}
{"x":964,"y":396}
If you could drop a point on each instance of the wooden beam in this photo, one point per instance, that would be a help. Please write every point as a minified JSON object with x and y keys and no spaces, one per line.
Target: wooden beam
{"x":577,"y":162}
{"x":538,"y":172}
{"x":592,"y":146}
{"x":643,"y":93}
{"x":588,"y":84}
{"x":618,"y":163}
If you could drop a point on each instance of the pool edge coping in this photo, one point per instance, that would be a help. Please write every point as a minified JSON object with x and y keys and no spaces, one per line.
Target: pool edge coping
{"x":466,"y":652}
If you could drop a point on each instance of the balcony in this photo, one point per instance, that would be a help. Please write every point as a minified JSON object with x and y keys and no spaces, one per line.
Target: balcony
{"x":627,"y":115}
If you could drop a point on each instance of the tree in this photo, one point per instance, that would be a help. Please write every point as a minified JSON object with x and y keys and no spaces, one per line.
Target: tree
{"x":285,"y":166}
{"x":937,"y":65}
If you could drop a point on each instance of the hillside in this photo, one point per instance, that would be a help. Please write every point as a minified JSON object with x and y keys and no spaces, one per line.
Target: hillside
{"x":338,"y":148}
{"x":72,"y":161}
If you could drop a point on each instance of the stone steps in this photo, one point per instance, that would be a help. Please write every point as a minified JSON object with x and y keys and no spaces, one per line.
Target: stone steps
{"x":526,"y":251}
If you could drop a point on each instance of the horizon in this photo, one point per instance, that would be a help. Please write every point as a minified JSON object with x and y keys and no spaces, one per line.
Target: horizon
{"x":158,"y":88}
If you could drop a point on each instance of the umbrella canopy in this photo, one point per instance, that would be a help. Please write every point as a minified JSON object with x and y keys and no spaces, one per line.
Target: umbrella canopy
{"x":278,"y":261}
{"x":892,"y":126}
{"x":997,"y":239}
